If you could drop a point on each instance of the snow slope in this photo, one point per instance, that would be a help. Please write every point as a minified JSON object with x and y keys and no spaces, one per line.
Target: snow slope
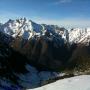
{"x":79,"y":35}
{"x":86,"y":38}
{"x":76,"y":34}
{"x":74,"y":83}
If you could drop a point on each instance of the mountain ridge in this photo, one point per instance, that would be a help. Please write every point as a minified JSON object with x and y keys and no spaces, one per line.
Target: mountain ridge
{"x":28,"y":29}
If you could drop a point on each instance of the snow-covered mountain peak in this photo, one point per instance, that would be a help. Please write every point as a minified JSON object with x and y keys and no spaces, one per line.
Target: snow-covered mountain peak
{"x":78,"y":34}
{"x":21,"y":27}
{"x":27,"y":28}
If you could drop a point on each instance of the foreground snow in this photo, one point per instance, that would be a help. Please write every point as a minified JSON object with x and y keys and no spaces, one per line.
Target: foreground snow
{"x":74,"y":83}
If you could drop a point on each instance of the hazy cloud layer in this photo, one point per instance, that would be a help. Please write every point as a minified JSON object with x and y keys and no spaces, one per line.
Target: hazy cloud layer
{"x":70,"y":22}
{"x":61,"y":2}
{"x":66,"y":22}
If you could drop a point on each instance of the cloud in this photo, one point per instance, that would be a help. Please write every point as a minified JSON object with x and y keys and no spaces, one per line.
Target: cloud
{"x":68,"y":22}
{"x":61,"y":2}
{"x":65,"y":22}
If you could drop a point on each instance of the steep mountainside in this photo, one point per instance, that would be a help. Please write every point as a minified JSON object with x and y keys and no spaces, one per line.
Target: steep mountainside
{"x":44,"y":45}
{"x":32,"y":54}
{"x":16,"y":73}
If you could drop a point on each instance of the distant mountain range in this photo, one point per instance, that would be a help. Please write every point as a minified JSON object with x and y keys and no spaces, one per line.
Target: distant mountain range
{"x":28,"y":29}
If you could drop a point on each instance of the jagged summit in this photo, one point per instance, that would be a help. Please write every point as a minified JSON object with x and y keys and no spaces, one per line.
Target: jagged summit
{"x":26,"y":28}
{"x":21,"y":27}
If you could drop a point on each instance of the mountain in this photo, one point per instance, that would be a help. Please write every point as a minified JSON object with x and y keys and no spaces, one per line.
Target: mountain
{"x":21,"y":27}
{"x":32,"y":55}
{"x":78,"y":35}
{"x":36,"y":41}
{"x":27,"y":28}
{"x":44,"y":45}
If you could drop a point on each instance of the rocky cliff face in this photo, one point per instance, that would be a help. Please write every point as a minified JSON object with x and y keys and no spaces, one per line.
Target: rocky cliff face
{"x":16,"y":73}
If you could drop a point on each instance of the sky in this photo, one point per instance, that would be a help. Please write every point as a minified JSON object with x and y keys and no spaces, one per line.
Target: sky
{"x":68,"y":13}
